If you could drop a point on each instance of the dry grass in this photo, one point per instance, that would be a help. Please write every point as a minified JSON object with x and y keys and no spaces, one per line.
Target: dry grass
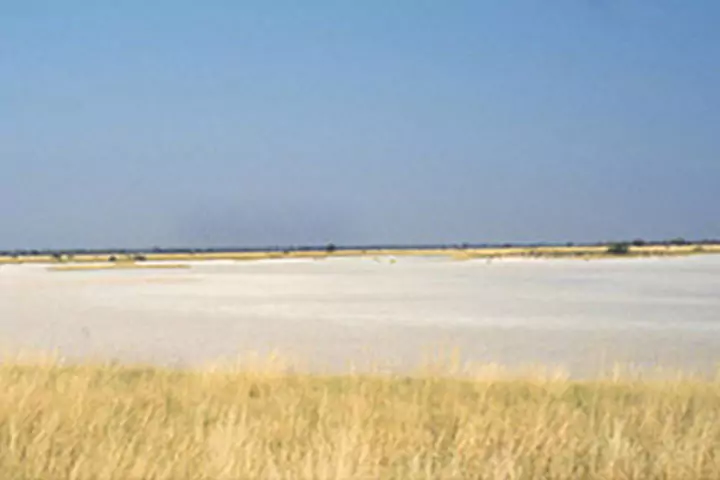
{"x":580,"y":252}
{"x":109,"y":421}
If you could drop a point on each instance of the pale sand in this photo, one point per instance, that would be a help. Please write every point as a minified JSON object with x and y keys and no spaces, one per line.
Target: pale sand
{"x":572,"y":313}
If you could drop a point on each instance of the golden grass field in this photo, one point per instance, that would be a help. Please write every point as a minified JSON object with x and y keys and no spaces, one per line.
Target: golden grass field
{"x":125,"y":422}
{"x":580,"y":252}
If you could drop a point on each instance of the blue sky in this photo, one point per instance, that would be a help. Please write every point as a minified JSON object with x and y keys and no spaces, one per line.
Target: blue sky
{"x":245,"y":123}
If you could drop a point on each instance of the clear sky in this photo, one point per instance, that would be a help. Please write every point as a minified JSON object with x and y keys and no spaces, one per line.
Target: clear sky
{"x":188,"y":123}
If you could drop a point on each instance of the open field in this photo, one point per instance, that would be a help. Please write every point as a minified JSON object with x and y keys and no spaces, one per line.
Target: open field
{"x":86,"y":418}
{"x":124,"y":422}
{"x":582,"y":316}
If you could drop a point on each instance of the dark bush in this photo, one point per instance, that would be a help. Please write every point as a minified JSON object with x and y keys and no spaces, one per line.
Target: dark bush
{"x":618,"y":249}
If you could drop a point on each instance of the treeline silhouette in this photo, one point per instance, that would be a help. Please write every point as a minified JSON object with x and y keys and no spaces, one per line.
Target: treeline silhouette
{"x":141,"y":253}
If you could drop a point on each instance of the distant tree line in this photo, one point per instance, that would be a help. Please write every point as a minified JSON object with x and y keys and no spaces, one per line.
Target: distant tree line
{"x":141,"y":254}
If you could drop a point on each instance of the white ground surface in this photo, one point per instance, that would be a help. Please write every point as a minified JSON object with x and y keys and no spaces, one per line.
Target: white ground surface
{"x":579,"y":315}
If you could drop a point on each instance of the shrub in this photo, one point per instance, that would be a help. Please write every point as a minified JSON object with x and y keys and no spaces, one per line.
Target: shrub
{"x":618,"y":249}
{"x":678,"y":241}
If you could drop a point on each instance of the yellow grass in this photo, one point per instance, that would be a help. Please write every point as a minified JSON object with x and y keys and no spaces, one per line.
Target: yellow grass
{"x":27,"y":259}
{"x":585,"y":252}
{"x":581,"y":252}
{"x":124,"y":422}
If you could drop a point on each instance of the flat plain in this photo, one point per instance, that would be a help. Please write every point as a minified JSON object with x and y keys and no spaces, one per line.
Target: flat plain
{"x":82,"y":417}
{"x":582,"y":316}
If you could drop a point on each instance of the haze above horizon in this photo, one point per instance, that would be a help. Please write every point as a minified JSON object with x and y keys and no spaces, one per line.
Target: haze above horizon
{"x":136,"y":124}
